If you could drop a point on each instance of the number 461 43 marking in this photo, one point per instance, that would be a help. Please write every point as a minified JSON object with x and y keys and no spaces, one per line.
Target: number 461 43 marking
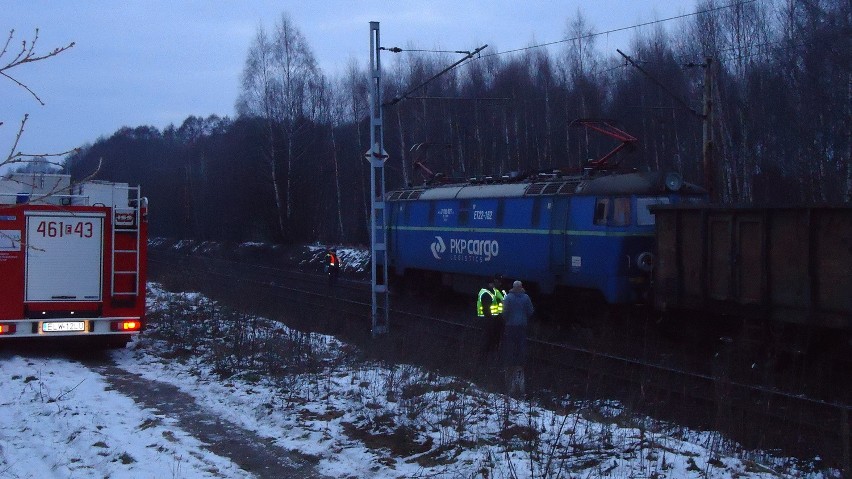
{"x":61,"y":229}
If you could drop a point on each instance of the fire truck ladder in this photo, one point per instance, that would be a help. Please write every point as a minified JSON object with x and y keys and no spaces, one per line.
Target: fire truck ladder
{"x":125,"y":246}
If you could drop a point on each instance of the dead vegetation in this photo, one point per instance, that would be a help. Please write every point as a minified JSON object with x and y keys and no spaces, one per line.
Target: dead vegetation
{"x":400,"y":412}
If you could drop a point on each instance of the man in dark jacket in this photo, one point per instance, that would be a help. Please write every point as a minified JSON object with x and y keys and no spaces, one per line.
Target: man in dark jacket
{"x":517,"y":309}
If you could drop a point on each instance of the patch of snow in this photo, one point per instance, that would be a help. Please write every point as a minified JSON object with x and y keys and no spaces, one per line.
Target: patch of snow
{"x":60,"y":420}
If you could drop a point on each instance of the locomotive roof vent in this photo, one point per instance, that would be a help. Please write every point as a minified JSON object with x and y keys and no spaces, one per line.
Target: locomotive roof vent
{"x":535,"y":188}
{"x":552,"y":188}
{"x":404,"y":195}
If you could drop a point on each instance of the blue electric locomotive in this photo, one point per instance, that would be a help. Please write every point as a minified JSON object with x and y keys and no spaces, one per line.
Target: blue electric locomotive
{"x":591,"y":231}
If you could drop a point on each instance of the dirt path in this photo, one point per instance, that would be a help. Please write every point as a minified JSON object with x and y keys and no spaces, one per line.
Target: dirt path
{"x":254,"y":454}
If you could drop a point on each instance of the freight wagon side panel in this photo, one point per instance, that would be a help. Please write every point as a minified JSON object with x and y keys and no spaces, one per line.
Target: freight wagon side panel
{"x":833,"y":264}
{"x":789,"y":247}
{"x":737,"y":257}
{"x":783,"y":264}
{"x":682,"y":258}
{"x":690,"y":233}
{"x":666,"y":284}
{"x":750,"y":260}
{"x":720,"y":228}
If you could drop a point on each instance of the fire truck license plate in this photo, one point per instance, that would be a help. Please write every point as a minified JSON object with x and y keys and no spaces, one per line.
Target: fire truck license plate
{"x":59,"y":326}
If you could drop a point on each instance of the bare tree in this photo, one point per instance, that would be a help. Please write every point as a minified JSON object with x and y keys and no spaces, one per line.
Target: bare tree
{"x":333,"y":113}
{"x":357,"y":91}
{"x":746,"y":32}
{"x":579,"y":62}
{"x":258,"y":99}
{"x":478,"y":82}
{"x":10,"y":59}
{"x":299,"y":79}
{"x":282,"y":85}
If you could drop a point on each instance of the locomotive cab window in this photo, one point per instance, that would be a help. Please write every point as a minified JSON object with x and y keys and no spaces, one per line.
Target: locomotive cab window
{"x":612,"y":211}
{"x":620,"y":212}
{"x":601,"y":211}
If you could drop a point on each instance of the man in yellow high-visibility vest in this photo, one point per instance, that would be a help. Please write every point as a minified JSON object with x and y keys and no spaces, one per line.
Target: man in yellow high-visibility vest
{"x":489,"y":306}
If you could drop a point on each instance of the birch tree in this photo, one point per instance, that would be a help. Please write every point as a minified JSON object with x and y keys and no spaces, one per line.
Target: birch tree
{"x":258,"y":96}
{"x":300,"y":81}
{"x":282,"y":84}
{"x":578,"y":64}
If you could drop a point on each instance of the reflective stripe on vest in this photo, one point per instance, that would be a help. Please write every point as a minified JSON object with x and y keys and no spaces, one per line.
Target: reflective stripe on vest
{"x":498,"y":297}
{"x":496,"y":306}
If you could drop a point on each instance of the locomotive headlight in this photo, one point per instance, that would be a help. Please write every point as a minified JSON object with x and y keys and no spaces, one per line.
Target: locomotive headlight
{"x":673,"y":181}
{"x":645,"y":261}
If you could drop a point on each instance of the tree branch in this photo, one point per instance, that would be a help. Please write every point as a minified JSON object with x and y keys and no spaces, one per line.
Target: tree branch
{"x":27,"y":54}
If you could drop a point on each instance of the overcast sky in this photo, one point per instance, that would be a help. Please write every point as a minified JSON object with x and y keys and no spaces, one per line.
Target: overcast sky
{"x":155,"y":62}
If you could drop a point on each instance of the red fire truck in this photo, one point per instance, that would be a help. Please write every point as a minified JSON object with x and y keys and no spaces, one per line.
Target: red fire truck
{"x":72,"y":258}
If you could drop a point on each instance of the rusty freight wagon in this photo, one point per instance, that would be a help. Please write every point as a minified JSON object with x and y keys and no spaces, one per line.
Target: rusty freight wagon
{"x":781,"y":265}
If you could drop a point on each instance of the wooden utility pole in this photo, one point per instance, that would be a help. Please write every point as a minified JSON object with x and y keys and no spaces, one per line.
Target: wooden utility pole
{"x":706,"y":116}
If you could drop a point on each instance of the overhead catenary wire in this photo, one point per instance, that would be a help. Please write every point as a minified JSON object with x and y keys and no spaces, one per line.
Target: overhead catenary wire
{"x":616,"y":30}
{"x":445,"y":70}
{"x":485,"y":98}
{"x":661,"y":85}
{"x":471,"y":56}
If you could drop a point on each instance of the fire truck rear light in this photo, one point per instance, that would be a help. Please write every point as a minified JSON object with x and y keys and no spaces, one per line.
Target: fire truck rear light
{"x":125,"y":325}
{"x":7,"y":328}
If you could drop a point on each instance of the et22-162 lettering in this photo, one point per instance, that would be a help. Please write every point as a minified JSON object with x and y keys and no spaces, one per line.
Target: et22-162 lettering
{"x":483,"y":215}
{"x":60,"y":229}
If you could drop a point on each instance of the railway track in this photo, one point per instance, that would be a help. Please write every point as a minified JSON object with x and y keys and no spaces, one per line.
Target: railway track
{"x":441,"y":335}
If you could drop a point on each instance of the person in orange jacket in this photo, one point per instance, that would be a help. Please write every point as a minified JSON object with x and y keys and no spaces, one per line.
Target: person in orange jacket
{"x":332,"y":266}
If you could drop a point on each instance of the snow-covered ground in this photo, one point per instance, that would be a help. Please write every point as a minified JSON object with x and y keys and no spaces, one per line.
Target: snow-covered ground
{"x":312,"y":394}
{"x":355,"y":260}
